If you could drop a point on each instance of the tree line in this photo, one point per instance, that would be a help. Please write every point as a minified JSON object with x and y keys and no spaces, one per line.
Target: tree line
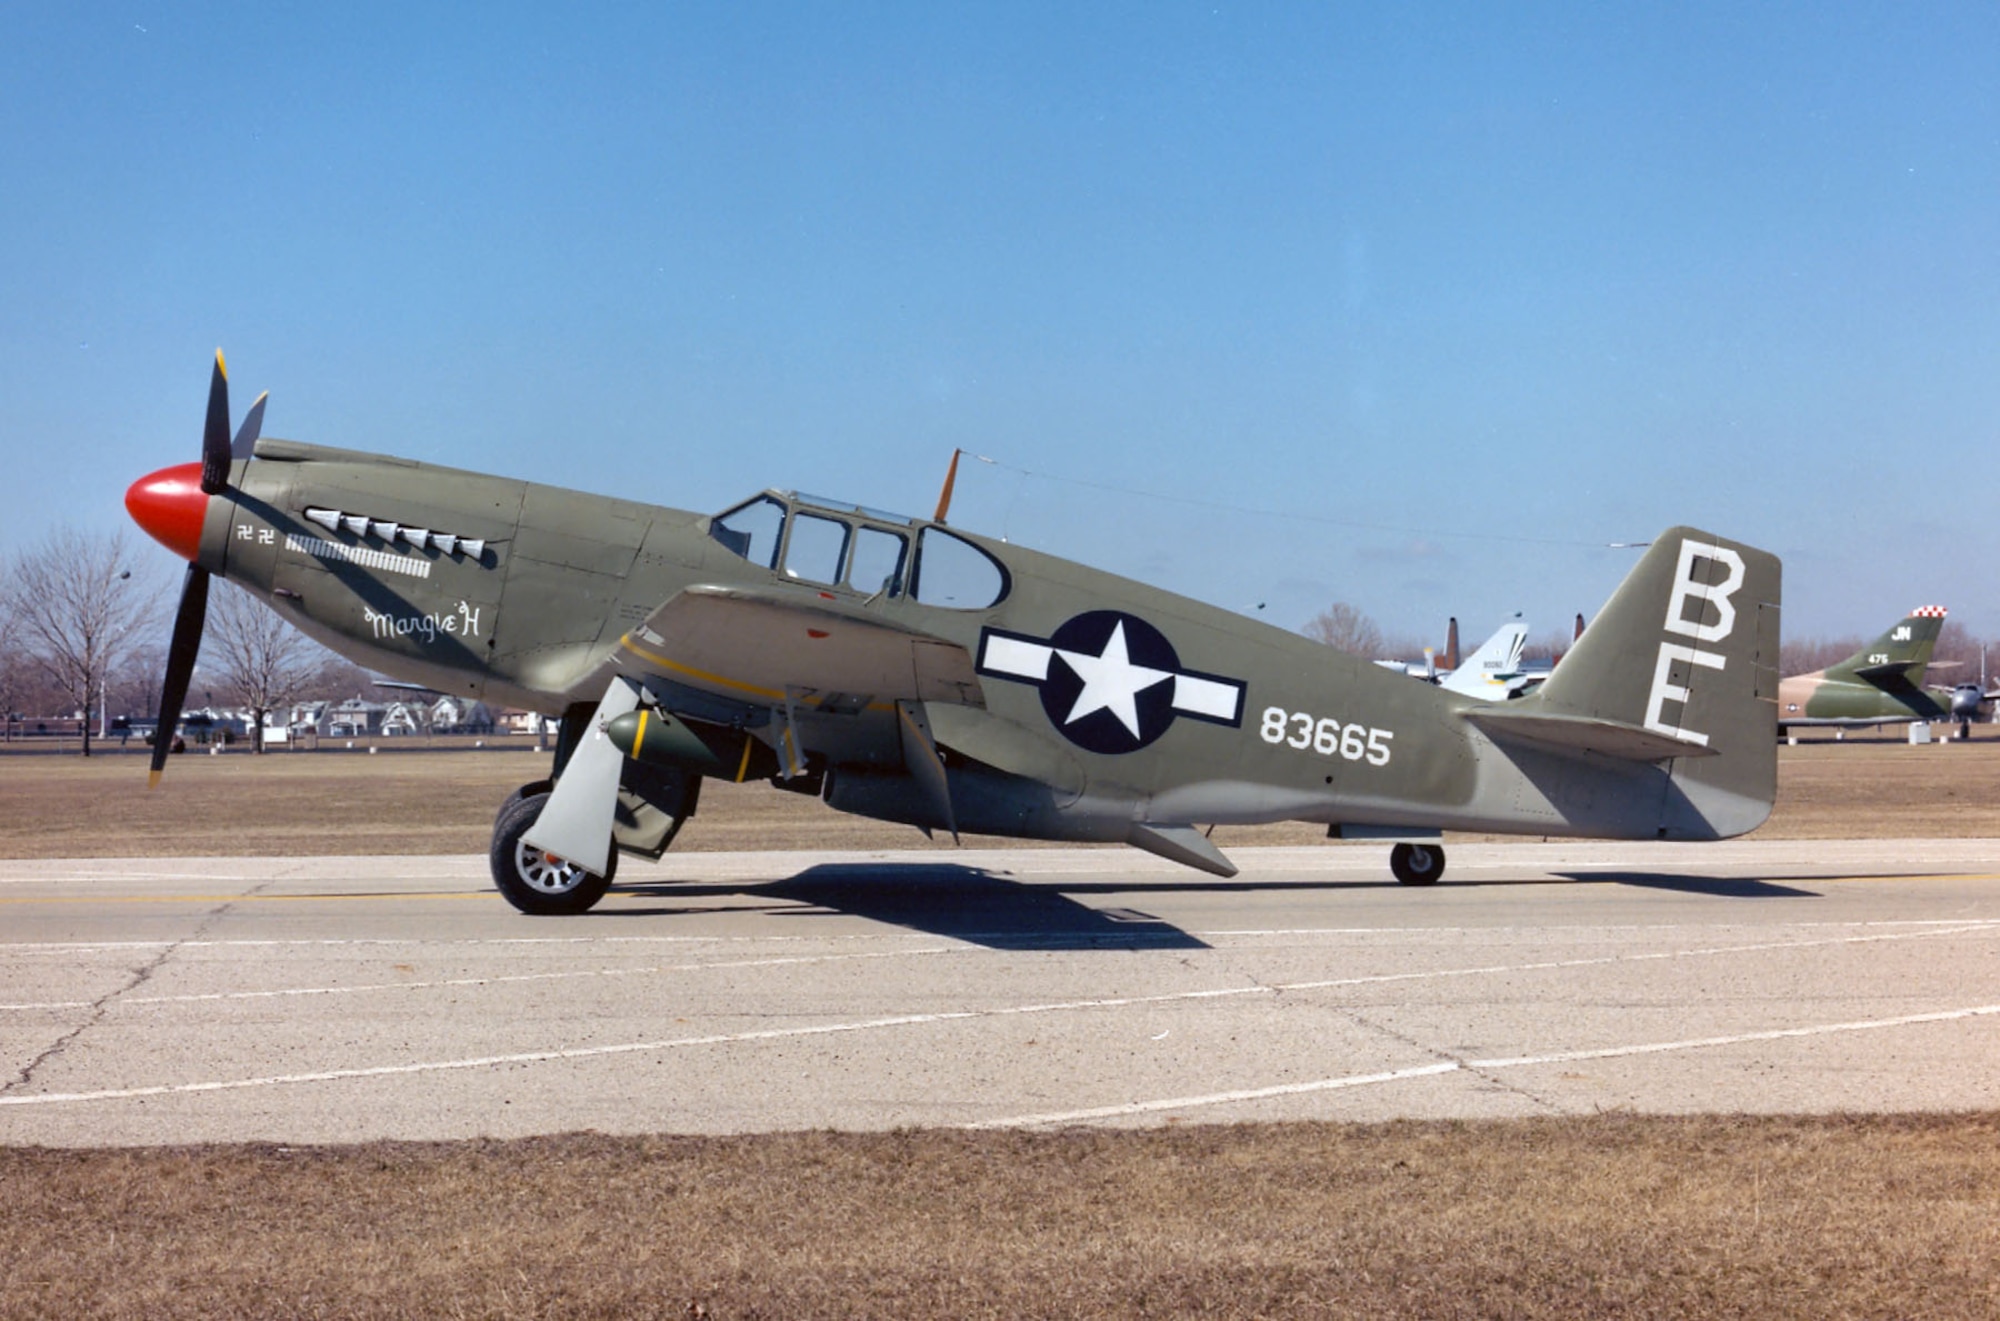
{"x":84,"y":624}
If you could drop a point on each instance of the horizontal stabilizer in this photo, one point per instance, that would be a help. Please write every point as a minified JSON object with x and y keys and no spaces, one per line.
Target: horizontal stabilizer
{"x":1566,"y":733}
{"x":1906,"y":672}
{"x":1182,"y":844}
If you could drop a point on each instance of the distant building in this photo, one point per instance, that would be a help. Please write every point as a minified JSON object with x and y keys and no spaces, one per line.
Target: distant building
{"x":401,"y":719}
{"x":354,"y":718}
{"x":307,"y":718}
{"x":514,"y":721}
{"x":459,"y":715}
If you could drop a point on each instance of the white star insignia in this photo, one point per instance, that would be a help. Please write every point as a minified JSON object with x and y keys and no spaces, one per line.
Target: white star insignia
{"x":1111,"y":682}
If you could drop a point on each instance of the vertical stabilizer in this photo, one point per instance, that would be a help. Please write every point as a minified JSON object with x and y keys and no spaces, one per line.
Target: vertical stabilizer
{"x":1680,"y":670}
{"x":1902,"y":654}
{"x":1491,"y":671}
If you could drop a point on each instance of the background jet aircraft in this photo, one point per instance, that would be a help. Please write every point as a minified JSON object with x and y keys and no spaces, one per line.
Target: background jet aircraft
{"x":1964,"y":700}
{"x":903,"y":670}
{"x":1493,"y":673}
{"x":1426,"y":669}
{"x":1881,"y":684}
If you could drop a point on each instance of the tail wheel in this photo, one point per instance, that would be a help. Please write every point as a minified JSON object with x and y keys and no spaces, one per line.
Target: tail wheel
{"x":536,"y":882}
{"x":1417,"y":864}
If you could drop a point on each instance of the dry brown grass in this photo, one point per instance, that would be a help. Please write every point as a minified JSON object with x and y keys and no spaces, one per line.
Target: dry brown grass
{"x":1606,"y":1217}
{"x":414,"y":800}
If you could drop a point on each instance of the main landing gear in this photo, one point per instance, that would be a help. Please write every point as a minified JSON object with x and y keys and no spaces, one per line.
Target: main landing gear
{"x":1417,"y":864}
{"x":533,"y":881}
{"x":642,"y":808}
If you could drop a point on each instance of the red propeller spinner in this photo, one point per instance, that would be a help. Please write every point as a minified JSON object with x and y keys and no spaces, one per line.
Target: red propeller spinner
{"x":171,"y":506}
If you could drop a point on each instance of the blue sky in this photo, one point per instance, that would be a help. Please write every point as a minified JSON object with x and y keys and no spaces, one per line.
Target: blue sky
{"x":1415,"y":307}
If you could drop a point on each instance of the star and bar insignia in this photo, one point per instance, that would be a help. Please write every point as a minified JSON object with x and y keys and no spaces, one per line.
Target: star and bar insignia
{"x":1110,"y":682}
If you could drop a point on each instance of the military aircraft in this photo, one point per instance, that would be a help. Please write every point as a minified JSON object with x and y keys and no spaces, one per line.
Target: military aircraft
{"x":909,"y":671}
{"x":1964,"y":701}
{"x":1881,"y":684}
{"x":1492,"y":672}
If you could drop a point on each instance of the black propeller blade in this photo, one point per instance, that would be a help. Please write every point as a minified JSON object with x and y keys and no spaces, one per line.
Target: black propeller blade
{"x":181,"y":653}
{"x":215,"y":435}
{"x":193,"y":612}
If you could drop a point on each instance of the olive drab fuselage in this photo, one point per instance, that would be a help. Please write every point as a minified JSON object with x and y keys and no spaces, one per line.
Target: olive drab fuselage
{"x":919,"y":673}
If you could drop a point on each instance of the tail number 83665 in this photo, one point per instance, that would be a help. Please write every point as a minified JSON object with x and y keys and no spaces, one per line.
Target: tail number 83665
{"x":1326,"y":736}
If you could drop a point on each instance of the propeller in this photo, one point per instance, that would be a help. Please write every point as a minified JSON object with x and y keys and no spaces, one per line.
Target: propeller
{"x":245,"y":444}
{"x":172,"y":509}
{"x":215,"y":433}
{"x":181,"y":653}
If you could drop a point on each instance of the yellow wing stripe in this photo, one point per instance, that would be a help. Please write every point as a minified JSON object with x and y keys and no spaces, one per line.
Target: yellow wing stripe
{"x":721,"y":681}
{"x":663,"y":662}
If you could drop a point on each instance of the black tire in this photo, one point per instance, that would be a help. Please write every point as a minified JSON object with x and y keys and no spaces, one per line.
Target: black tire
{"x":534,"y":787}
{"x":531,"y":880}
{"x":1417,"y":864}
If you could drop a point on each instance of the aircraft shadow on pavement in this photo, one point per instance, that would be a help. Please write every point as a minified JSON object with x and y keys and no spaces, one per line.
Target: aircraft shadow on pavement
{"x":1718,"y":887}
{"x":962,"y":903}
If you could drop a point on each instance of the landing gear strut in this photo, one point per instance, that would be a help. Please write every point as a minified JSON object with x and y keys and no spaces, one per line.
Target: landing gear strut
{"x":1417,"y":864}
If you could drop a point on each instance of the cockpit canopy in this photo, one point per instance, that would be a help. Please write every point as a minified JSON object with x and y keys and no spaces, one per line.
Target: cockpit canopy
{"x":851,"y":548}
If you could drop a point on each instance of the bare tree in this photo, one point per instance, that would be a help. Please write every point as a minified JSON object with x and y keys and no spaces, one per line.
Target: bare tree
{"x":13,"y":684}
{"x":1957,"y":655}
{"x":134,"y":685}
{"x":255,"y":656}
{"x":1345,"y":628}
{"x":1550,"y":646}
{"x":1809,"y":655}
{"x":337,"y":676}
{"x":77,"y":608}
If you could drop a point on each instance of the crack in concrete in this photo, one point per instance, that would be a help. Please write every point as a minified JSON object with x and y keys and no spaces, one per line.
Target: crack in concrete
{"x":100,"y":1007}
{"x":1444,"y":1055}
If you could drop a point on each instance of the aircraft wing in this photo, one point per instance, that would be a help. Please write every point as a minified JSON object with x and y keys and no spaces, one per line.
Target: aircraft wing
{"x":755,"y":643}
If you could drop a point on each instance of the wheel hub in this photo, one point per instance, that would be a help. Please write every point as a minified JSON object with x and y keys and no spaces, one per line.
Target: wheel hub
{"x":545,"y":871}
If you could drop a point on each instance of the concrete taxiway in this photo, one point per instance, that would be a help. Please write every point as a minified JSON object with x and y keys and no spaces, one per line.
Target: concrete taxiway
{"x":345,"y":999}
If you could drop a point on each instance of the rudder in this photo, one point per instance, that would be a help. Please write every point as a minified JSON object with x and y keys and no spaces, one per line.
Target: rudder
{"x":1680,"y":668}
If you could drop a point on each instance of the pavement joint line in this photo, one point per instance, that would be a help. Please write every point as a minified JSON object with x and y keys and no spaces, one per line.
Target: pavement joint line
{"x":1132,"y":1108}
{"x":952,"y":1016}
{"x":1371,"y":979}
{"x":511,"y":978}
{"x":1644,"y":956}
{"x":1126,"y":1108}
{"x":422,"y":942}
{"x":240,"y":898}
{"x":1584,"y":931}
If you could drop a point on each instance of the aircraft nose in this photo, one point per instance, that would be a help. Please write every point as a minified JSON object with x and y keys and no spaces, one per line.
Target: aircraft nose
{"x":171,"y":505}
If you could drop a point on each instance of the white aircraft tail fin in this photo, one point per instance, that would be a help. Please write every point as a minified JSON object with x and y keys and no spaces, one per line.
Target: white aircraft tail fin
{"x":1487,"y":671}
